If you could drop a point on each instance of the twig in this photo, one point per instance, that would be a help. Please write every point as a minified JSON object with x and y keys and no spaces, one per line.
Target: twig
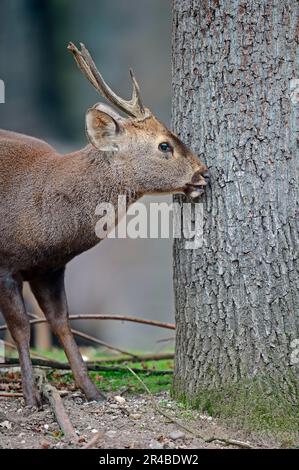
{"x":140,"y":358}
{"x":10,"y":395}
{"x":33,"y":354}
{"x":165,"y":340}
{"x":80,"y":334}
{"x":62,"y":393}
{"x":37,"y":320}
{"x":98,"y":367}
{"x":93,"y":366}
{"x":143,"y":321}
{"x":189,"y":429}
{"x":230,"y":442}
{"x":14,"y":361}
{"x":93,"y":441}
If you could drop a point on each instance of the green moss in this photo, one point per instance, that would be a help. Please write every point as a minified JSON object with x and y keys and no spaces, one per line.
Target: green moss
{"x":256,"y":405}
{"x":119,"y":381}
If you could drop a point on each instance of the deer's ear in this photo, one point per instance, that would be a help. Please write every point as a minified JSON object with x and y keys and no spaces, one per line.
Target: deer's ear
{"x":103,"y":128}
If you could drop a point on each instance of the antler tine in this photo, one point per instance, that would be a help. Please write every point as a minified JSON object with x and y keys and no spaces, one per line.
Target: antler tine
{"x":136,"y":92}
{"x":133,"y":107}
{"x":82,"y":64}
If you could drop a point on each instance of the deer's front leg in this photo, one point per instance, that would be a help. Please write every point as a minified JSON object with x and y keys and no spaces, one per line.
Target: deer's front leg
{"x":13,"y":310}
{"x":50,"y":294}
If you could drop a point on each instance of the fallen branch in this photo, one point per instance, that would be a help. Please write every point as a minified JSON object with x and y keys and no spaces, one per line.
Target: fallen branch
{"x":80,"y":334}
{"x":99,"y":367}
{"x":10,"y":395}
{"x":62,"y":393}
{"x":140,"y":358}
{"x":92,"y":366}
{"x":53,"y":396}
{"x":33,"y":354}
{"x":143,"y":321}
{"x":187,"y":428}
{"x":230,"y":442}
{"x":37,"y":320}
{"x":14,"y":361}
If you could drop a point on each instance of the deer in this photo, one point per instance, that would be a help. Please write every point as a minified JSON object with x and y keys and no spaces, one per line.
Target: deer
{"x":48,"y":203}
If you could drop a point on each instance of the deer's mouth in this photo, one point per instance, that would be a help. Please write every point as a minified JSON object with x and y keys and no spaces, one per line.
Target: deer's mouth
{"x":194,"y":190}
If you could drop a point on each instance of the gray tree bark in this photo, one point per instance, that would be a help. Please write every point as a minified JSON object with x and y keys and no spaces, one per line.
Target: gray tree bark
{"x":234,"y":103}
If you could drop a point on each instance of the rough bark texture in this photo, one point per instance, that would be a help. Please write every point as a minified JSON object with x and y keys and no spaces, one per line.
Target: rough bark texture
{"x":237,"y":297}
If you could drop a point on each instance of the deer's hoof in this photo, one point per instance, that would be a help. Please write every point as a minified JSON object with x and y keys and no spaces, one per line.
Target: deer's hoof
{"x":34,"y":403}
{"x":98,"y":397}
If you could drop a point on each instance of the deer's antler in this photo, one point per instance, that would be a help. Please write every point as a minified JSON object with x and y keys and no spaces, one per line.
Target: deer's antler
{"x":133,"y":107}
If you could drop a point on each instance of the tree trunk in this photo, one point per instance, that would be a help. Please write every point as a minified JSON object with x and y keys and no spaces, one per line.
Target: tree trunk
{"x":235,"y":103}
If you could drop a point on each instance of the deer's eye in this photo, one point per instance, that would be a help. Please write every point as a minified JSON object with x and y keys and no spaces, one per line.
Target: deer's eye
{"x":165,"y":147}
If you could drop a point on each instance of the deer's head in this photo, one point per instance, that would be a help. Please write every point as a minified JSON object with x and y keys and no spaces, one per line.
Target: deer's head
{"x":155,"y":159}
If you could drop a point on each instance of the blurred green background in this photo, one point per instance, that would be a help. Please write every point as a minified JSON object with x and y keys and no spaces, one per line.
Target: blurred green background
{"x":46,"y":96}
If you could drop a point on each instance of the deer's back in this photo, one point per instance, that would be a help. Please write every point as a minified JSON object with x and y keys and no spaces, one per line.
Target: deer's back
{"x":12,"y":142}
{"x":26,"y":163}
{"x":21,"y":159}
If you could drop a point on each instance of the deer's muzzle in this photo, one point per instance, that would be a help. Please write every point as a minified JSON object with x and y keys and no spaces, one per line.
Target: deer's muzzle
{"x":197,"y":186}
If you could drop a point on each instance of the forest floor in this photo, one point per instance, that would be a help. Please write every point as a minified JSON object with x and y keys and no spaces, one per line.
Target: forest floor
{"x":130,"y":418}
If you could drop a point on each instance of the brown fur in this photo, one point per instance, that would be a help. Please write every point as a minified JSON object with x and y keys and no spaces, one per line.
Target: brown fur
{"x":47,"y":213}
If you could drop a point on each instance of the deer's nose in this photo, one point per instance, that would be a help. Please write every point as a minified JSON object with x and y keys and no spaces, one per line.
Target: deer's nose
{"x":199,"y":179}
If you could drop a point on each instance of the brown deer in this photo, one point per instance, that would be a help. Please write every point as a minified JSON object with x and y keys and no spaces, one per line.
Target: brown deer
{"x":48,"y":202}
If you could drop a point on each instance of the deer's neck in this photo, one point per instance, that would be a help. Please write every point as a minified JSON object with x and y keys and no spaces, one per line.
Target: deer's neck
{"x":82,"y":181}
